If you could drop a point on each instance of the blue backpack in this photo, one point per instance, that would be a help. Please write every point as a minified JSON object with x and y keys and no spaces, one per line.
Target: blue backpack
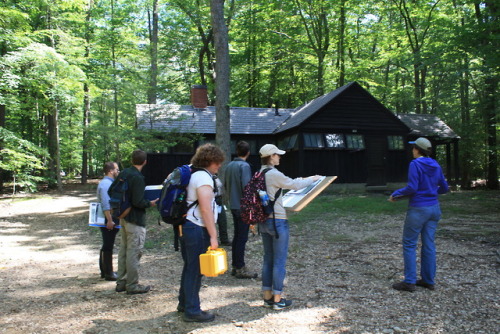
{"x":173,"y":206}
{"x":119,"y":199}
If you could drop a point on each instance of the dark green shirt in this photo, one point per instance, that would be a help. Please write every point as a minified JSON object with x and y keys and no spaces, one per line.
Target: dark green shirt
{"x":136,"y":186}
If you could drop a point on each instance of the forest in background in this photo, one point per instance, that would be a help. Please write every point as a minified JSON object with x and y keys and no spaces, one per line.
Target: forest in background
{"x":72,"y":71}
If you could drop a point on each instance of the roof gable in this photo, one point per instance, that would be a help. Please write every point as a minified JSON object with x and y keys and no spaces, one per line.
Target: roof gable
{"x":346,"y":108}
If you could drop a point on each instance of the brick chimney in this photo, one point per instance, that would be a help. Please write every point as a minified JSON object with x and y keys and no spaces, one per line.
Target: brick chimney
{"x":199,"y":96}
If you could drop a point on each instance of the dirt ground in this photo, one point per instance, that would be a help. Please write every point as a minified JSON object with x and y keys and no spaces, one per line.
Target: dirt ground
{"x":340,"y":272}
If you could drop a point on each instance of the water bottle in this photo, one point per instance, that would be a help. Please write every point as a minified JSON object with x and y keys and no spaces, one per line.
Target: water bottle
{"x":264,"y":197}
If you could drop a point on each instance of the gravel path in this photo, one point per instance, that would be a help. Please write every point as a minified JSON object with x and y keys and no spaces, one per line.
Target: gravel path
{"x":340,"y":272}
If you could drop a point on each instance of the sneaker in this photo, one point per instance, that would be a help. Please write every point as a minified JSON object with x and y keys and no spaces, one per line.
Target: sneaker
{"x":403,"y":286}
{"x":283,"y":303}
{"x":244,"y":273}
{"x":138,"y":289}
{"x":269,"y":302}
{"x":202,"y":317}
{"x":425,"y":285}
{"x":180,"y":308}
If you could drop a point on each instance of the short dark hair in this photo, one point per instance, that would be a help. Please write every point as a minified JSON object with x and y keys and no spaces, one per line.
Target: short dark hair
{"x":242,"y":148}
{"x":138,"y":157}
{"x":108,"y":167}
{"x":206,"y":154}
{"x":421,"y":151}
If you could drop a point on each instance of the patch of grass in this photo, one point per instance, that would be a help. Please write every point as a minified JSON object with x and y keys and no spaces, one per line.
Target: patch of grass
{"x":329,"y":207}
{"x":469,"y":202}
{"x":26,"y":198}
{"x":370,"y":240}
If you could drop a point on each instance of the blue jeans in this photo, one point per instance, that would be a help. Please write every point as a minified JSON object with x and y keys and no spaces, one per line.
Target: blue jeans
{"x":194,"y":241}
{"x":275,"y":254}
{"x":421,"y":221}
{"x":239,"y":240}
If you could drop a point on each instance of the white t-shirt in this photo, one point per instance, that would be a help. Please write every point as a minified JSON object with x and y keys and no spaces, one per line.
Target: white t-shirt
{"x":197,"y":180}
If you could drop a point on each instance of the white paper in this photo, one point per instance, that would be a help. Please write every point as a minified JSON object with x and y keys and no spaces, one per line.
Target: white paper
{"x":96,"y":215}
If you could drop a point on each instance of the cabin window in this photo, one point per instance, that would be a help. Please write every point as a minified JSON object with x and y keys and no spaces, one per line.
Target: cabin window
{"x":313,"y":140}
{"x":288,"y":143}
{"x":395,"y":143}
{"x":355,"y":142}
{"x":334,"y":140}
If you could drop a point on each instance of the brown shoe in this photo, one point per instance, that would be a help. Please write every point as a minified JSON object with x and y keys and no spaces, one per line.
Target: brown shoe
{"x":425,"y":285}
{"x":403,"y":286}
{"x":244,"y":273}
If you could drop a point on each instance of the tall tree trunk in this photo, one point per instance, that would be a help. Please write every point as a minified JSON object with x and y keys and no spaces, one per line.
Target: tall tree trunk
{"x":2,"y":124}
{"x":490,"y":117}
{"x":487,"y":18}
{"x":466,"y":148}
{"x":341,"y":50}
{"x":153,"y":50}
{"x":222,"y":72}
{"x":86,"y":99}
{"x":3,"y":110}
{"x":115,"y":85}
{"x":53,"y":145}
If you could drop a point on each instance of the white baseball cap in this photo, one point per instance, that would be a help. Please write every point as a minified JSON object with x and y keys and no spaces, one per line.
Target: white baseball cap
{"x":423,"y":143}
{"x":270,"y":149}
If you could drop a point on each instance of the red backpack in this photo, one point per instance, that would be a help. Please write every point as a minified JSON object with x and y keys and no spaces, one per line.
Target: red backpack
{"x":252,"y":209}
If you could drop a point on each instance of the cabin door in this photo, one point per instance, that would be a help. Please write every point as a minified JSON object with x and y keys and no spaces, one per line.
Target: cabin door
{"x":376,"y":151}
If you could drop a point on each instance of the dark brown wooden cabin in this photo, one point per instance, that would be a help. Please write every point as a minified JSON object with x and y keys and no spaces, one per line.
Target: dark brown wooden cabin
{"x":346,"y":132}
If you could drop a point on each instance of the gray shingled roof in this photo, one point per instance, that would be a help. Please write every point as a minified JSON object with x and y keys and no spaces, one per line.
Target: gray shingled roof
{"x":188,"y":119}
{"x":307,"y":110}
{"x":428,"y":126}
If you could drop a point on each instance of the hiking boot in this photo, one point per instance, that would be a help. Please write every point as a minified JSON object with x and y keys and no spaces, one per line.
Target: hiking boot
{"x":243,"y":273}
{"x":138,"y":289}
{"x":425,"y":285}
{"x":403,"y":286}
{"x":269,"y":302}
{"x":111,"y":277}
{"x":120,"y":288}
{"x":180,"y":308}
{"x":283,"y":303}
{"x":202,"y":317}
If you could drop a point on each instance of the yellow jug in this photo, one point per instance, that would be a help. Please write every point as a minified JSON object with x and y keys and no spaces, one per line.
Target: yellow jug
{"x":214,"y":262}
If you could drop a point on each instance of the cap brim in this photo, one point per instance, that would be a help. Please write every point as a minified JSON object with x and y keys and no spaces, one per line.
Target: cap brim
{"x":280,"y":152}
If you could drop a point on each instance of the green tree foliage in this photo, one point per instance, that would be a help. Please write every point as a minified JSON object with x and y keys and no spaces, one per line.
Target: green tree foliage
{"x":23,"y":159}
{"x":438,"y":57}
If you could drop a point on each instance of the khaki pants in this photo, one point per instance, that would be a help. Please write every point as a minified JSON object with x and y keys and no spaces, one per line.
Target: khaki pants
{"x":132,"y":243}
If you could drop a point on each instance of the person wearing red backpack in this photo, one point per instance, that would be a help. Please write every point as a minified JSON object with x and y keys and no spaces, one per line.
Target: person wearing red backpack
{"x":275,"y":231}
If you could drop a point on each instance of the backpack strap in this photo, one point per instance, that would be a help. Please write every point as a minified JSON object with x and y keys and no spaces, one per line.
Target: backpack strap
{"x":278,"y":194}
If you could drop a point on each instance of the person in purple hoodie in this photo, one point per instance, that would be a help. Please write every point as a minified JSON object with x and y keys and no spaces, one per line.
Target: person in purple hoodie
{"x":425,"y":182}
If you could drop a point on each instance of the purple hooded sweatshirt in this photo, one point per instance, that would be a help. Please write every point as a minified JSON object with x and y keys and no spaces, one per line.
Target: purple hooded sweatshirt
{"x":425,"y":182}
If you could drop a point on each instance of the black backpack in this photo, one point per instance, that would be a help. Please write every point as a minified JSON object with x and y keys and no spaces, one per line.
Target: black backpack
{"x":119,"y":198}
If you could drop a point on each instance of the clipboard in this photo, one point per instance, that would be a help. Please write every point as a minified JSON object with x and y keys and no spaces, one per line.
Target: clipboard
{"x":296,"y":200}
{"x":96,"y":215}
